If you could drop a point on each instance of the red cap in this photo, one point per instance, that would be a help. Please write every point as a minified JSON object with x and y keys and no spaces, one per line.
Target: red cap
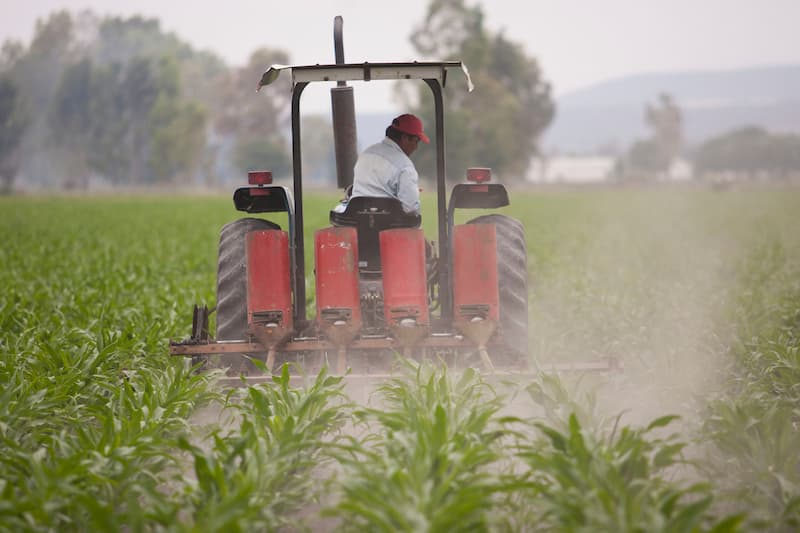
{"x":410,"y":125}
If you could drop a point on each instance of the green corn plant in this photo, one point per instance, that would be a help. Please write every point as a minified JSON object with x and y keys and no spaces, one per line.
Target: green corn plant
{"x":91,"y":407}
{"x":770,"y":363}
{"x":751,"y":430}
{"x":755,"y":459}
{"x":107,"y":463}
{"x":559,"y":400}
{"x":88,"y":422}
{"x":430,"y":458}
{"x":582,"y":482}
{"x":260,"y":474}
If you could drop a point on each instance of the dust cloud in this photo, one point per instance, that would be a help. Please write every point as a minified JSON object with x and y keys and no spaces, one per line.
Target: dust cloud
{"x":648,"y":285}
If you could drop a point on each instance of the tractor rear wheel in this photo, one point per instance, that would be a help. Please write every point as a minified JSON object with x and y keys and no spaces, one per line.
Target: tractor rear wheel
{"x":512,"y":279}
{"x":232,"y":286}
{"x":232,"y":277}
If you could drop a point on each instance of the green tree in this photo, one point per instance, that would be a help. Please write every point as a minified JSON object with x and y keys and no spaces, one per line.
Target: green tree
{"x":319,"y":160}
{"x":53,"y":48}
{"x":108,"y":155}
{"x":784,"y":154}
{"x":166,"y":110}
{"x":749,"y":152}
{"x":138,"y":105}
{"x":259,"y":153}
{"x":119,"y":40}
{"x":256,"y":120}
{"x":140,"y":92}
{"x":36,"y":71}
{"x":666,"y":121}
{"x":10,"y":54}
{"x":178,"y":137}
{"x":70,"y":120}
{"x":13,"y":122}
{"x":242,"y":110}
{"x":649,"y":158}
{"x":197,"y":75}
{"x":125,"y":123}
{"x":499,"y":125}
{"x":643,"y":161}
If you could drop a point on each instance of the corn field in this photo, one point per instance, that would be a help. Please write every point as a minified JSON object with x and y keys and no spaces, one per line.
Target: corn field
{"x":696,"y":292}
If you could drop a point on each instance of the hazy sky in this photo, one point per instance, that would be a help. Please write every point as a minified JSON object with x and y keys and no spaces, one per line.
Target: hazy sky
{"x":577,"y":42}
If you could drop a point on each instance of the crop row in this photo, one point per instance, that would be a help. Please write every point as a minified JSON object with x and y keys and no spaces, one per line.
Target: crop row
{"x":697,"y":293}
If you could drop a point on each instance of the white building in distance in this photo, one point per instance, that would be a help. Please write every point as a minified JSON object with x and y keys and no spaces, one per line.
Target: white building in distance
{"x":593,"y":169}
{"x":571,"y":169}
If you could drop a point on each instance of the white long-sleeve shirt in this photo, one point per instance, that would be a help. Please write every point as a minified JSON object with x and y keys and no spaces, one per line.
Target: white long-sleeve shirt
{"x":384,"y":170}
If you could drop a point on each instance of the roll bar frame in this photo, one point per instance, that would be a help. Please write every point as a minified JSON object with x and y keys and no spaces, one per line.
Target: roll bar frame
{"x":434,"y":74}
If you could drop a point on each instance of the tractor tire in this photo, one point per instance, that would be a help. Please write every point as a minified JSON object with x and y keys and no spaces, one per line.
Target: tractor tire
{"x":232,"y":277}
{"x":510,"y":347}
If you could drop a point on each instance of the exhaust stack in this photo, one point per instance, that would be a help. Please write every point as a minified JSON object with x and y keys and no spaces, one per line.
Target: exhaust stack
{"x":345,"y":138}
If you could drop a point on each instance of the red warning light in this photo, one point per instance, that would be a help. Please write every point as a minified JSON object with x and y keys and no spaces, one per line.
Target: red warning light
{"x":259,"y":177}
{"x":479,"y":175}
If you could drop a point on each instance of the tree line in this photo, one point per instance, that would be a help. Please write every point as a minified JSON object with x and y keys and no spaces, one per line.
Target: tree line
{"x":121,"y":100}
{"x":748,"y":152}
{"x":500,"y":124}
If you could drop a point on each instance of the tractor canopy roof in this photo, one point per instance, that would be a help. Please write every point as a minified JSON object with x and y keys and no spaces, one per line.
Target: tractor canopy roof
{"x":416,"y":70}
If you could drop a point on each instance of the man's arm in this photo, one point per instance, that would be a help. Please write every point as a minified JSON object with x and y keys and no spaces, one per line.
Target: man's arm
{"x":408,"y":190}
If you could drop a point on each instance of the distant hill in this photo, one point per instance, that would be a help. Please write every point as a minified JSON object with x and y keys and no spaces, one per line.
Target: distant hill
{"x":611,"y":114}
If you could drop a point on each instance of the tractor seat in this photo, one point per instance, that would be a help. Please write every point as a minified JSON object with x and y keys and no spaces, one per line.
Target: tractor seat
{"x":370,"y":216}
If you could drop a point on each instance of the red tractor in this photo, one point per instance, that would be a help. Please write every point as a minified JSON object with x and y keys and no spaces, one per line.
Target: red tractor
{"x":381,"y":288}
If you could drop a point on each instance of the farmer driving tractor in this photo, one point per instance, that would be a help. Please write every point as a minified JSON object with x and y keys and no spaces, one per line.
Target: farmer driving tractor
{"x":385,"y":169}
